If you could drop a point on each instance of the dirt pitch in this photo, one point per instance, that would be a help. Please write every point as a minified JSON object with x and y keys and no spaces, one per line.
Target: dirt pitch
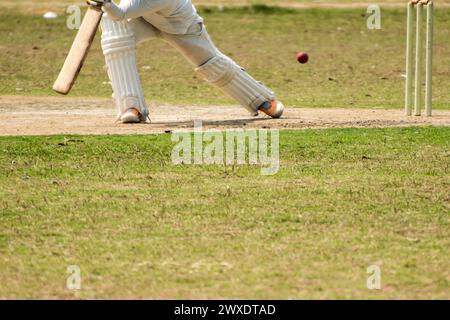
{"x":55,"y":115}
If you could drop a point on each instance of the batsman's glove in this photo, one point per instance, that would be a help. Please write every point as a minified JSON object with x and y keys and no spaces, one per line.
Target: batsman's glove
{"x":97,"y":4}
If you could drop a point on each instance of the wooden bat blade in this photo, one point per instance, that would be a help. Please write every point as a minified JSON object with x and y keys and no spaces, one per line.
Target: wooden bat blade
{"x":78,"y":52}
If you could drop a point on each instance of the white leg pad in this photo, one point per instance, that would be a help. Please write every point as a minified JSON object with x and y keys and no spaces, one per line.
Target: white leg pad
{"x":119,"y":48}
{"x":224,"y":73}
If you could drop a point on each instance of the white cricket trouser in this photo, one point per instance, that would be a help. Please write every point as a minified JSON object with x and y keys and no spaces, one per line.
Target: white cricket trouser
{"x":196,"y":45}
{"x":198,"y":48}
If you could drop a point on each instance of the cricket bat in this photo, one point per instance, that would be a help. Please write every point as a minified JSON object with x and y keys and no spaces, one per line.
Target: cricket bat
{"x":78,"y":52}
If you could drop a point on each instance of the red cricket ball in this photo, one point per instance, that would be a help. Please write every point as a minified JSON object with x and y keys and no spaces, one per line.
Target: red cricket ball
{"x":302,"y":57}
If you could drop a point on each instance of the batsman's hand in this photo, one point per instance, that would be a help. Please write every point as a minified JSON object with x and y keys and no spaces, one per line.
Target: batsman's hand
{"x":97,"y":4}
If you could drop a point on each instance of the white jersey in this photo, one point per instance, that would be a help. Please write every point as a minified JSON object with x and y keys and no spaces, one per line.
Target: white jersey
{"x":171,"y":16}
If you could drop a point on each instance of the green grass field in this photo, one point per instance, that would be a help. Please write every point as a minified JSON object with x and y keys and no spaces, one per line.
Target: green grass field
{"x":139,"y":226}
{"x":30,"y":5}
{"x":350,"y":65}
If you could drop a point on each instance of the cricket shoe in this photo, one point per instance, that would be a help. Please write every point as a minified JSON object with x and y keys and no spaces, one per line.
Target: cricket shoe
{"x":132,"y":116}
{"x":272,"y":108}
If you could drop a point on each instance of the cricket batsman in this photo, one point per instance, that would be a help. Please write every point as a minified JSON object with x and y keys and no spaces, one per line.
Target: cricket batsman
{"x":177,"y":22}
